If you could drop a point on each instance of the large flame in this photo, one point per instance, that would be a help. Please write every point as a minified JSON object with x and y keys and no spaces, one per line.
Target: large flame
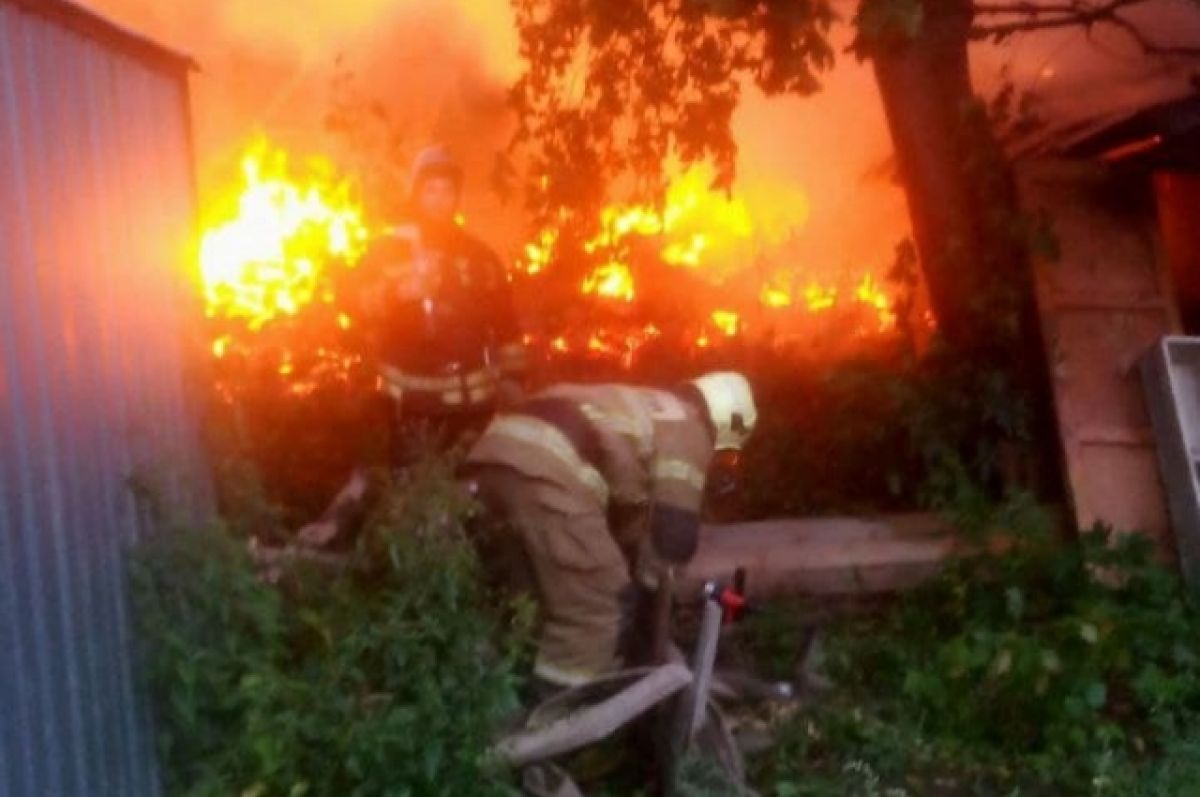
{"x":722,"y":239}
{"x":693,"y":220}
{"x":265,"y":257}
{"x":283,"y":230}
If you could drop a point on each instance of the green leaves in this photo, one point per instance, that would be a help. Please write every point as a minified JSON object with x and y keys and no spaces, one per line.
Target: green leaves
{"x":953,"y":430}
{"x":885,"y":23}
{"x":1096,"y":694}
{"x":612,"y":93}
{"x":387,"y":679}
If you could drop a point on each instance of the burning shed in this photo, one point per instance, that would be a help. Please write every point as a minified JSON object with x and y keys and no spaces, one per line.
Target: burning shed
{"x":96,"y":204}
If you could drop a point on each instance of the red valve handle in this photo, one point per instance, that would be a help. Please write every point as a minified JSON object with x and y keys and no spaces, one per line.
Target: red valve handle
{"x":733,"y":602}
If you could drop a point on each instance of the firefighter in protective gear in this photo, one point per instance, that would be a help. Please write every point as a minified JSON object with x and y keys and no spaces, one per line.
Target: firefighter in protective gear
{"x":440,"y":323}
{"x":439,"y":305}
{"x":603,"y":485}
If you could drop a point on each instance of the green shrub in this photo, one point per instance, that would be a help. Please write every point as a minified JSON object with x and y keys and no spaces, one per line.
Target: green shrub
{"x":389,"y":677}
{"x":1054,"y":668}
{"x":884,"y":432}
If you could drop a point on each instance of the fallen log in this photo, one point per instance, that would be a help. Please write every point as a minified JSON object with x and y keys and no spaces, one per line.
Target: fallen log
{"x":590,"y":725}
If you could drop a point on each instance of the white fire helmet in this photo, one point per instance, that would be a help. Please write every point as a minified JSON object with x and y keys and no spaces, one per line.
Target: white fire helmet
{"x":730,"y":405}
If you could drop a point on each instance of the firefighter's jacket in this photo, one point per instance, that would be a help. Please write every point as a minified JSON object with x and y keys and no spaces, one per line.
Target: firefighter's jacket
{"x":639,"y":455}
{"x":444,"y":330}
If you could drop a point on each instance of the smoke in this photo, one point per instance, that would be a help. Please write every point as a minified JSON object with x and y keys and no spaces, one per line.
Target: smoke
{"x":440,"y":69}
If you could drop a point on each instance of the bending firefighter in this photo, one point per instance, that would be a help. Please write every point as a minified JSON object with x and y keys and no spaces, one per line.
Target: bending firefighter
{"x":602,"y":485}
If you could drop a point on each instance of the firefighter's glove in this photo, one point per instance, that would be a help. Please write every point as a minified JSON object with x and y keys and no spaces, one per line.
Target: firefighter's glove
{"x":674,"y":533}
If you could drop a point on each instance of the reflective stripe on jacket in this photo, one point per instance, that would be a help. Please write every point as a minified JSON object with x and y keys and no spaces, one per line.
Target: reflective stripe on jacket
{"x":623,"y":449}
{"x":449,"y":393}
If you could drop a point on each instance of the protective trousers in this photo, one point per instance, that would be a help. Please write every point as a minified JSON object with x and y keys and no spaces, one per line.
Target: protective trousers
{"x":581,"y":575}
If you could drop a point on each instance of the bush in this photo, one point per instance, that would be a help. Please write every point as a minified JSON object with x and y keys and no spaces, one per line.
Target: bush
{"x":881,"y":433}
{"x":388,"y":678}
{"x":1051,"y":669}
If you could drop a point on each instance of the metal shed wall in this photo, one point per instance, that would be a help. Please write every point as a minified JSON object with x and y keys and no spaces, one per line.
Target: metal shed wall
{"x":96,"y":206}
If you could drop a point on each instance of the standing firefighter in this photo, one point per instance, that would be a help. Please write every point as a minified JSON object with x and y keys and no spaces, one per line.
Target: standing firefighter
{"x":603,"y":485}
{"x":445,"y":334}
{"x":442,"y":329}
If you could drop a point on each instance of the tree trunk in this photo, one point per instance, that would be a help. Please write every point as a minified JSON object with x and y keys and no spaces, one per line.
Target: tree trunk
{"x":961,"y":195}
{"x":973,"y":242}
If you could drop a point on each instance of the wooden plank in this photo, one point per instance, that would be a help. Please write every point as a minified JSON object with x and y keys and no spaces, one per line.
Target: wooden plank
{"x":829,"y":556}
{"x":1094,"y":300}
{"x":1116,"y":436}
{"x":1102,"y":306}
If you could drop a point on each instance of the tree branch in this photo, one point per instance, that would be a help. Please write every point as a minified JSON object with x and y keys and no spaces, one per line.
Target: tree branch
{"x":1151,"y":47}
{"x":1030,"y":9}
{"x":1039,"y":17}
{"x":1033,"y":16}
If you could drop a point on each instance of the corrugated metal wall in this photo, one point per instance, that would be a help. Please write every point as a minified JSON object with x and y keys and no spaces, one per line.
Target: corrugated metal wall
{"x":95,"y":207}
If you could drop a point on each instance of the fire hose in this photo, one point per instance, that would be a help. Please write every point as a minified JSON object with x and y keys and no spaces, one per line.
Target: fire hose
{"x":575,"y":719}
